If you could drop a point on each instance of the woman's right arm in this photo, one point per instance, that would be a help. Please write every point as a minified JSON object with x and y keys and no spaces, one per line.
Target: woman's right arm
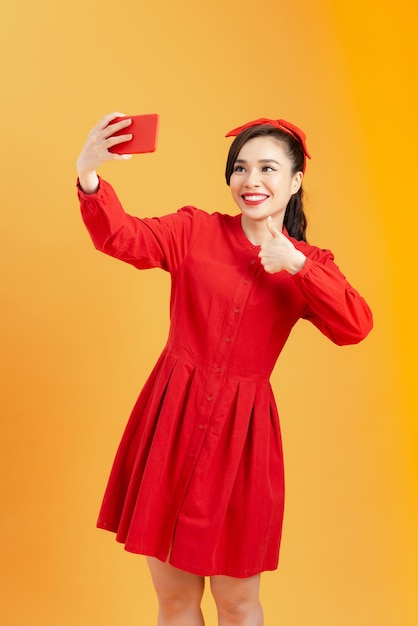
{"x":95,"y":151}
{"x":144,"y":243}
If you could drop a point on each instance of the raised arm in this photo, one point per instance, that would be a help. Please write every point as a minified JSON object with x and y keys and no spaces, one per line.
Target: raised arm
{"x":144,"y":243}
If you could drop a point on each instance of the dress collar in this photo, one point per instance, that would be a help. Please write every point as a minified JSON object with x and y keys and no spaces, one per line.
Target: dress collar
{"x":242,"y":238}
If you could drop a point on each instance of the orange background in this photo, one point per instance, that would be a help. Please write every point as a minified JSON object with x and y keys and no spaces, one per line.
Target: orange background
{"x":81,"y":331}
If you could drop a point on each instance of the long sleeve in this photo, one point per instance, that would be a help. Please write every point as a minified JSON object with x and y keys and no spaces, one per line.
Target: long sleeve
{"x":333,"y":305}
{"x":144,"y":243}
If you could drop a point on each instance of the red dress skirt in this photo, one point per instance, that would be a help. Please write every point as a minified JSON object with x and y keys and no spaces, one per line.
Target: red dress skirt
{"x":198,"y":477}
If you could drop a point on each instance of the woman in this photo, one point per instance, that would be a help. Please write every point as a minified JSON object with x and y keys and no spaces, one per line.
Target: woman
{"x":197,"y":484}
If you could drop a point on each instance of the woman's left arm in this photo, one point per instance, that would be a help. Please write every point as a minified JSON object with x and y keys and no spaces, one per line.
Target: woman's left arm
{"x":333,"y":305}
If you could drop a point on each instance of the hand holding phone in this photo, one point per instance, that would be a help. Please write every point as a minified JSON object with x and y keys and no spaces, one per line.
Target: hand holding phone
{"x":144,"y":130}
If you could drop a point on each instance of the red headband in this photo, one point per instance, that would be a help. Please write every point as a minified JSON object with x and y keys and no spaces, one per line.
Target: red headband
{"x":286,"y":127}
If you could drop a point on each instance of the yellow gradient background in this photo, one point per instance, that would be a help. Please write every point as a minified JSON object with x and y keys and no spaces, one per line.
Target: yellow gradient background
{"x":80,"y":332}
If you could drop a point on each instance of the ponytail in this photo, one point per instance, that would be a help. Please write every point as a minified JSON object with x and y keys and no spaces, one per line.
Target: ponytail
{"x":295,"y":220}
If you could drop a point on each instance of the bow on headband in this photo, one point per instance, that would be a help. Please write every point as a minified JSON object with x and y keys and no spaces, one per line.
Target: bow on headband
{"x":286,"y":127}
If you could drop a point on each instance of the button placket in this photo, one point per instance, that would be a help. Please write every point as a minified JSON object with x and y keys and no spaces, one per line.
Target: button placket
{"x":226,"y":342}
{"x":208,"y":420}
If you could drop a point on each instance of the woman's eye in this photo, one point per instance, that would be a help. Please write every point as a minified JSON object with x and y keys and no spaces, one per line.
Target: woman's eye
{"x":238,"y":168}
{"x":267,"y":168}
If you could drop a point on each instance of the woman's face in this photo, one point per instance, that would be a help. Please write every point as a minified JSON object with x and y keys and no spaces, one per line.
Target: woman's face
{"x":262,"y":182}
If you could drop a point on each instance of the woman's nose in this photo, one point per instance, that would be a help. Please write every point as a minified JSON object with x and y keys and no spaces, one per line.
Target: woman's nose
{"x":253,"y":179}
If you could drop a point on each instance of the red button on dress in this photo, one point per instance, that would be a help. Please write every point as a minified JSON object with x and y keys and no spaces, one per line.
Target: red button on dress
{"x":199,"y":481}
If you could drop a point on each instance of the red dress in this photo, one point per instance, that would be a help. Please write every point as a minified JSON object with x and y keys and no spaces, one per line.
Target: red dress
{"x":198,"y":476}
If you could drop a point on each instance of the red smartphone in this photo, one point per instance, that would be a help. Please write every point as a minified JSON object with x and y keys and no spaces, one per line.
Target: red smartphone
{"x":144,"y":130}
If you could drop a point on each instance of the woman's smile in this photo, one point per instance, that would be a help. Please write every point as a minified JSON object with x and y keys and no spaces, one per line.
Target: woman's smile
{"x":253,"y":199}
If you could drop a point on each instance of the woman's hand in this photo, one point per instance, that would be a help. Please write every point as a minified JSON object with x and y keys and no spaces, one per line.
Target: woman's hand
{"x":279,"y":253}
{"x":96,"y":150}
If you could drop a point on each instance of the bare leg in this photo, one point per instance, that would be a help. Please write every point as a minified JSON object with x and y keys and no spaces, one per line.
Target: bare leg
{"x":237,"y":600}
{"x":179,"y":594}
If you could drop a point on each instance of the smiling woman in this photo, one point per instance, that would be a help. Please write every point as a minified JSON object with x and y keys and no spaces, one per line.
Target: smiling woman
{"x":198,"y":482}
{"x":269,"y":153}
{"x":262,"y":183}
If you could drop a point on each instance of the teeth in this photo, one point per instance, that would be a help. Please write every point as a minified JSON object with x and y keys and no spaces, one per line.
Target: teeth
{"x":255,"y":198}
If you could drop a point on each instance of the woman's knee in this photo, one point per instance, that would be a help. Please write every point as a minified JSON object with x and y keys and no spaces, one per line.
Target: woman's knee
{"x":177,"y":591}
{"x":236,"y":599}
{"x":179,"y":597}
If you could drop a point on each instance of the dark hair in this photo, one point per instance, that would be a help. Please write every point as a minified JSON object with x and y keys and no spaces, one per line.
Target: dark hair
{"x":295,"y":220}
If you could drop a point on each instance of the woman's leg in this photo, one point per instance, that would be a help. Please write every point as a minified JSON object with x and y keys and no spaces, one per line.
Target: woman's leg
{"x":179,"y":594}
{"x":237,"y":600}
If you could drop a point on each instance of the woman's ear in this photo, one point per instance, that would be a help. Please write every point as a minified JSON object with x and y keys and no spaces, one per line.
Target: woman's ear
{"x":297,"y":181}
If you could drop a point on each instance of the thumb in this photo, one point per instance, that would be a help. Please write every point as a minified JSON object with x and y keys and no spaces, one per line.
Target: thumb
{"x":273,"y":231}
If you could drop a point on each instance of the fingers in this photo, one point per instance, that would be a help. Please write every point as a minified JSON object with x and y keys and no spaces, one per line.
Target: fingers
{"x":116,"y":127}
{"x":114,"y":140}
{"x":120,"y":157}
{"x":278,"y":253}
{"x":111,"y":134}
{"x":270,"y":227}
{"x":96,"y":149}
{"x":106,"y":119}
{"x":106,"y":128}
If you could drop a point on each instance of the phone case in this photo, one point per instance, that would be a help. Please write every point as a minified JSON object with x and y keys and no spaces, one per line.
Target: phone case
{"x":144,"y":130}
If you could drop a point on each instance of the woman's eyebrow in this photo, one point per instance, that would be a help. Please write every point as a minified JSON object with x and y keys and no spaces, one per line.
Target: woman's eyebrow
{"x":259,"y":161}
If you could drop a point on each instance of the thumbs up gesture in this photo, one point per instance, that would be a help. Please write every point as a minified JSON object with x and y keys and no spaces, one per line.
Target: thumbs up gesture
{"x":278,"y":253}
